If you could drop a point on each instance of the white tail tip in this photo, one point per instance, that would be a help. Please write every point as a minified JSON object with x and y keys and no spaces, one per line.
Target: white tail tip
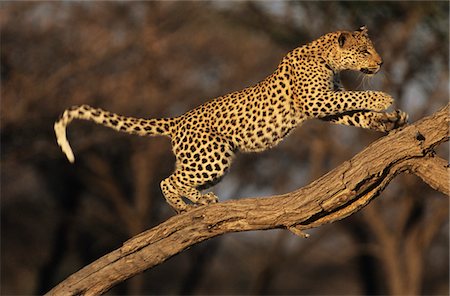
{"x":60,"y":131}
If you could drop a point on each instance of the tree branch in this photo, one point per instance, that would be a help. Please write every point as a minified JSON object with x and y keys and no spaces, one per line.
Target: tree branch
{"x":433,"y":171}
{"x":336,"y":195}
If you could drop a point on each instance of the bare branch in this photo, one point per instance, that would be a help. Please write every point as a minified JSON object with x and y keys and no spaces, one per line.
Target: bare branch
{"x":433,"y":171}
{"x":336,"y":195}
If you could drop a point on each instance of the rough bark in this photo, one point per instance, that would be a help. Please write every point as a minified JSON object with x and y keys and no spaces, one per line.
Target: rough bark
{"x":336,"y":195}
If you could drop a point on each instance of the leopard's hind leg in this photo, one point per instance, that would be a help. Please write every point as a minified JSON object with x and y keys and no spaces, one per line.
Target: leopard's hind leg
{"x":202,"y":160}
{"x":174,"y":189}
{"x":173,"y":196}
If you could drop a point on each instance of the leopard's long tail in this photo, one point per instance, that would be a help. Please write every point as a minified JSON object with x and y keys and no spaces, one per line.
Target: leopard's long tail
{"x":136,"y":126}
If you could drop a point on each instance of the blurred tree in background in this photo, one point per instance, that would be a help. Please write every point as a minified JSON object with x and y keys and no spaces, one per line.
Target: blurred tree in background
{"x":158,"y":59}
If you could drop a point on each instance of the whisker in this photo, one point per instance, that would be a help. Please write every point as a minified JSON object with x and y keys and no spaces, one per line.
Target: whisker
{"x":361,"y":80}
{"x":383,"y":78}
{"x":369,"y":80}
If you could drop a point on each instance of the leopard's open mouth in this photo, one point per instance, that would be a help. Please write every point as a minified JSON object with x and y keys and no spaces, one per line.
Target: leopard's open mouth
{"x":369,"y":70}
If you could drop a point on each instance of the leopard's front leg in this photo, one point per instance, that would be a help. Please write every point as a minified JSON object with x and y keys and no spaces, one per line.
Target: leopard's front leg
{"x":338,"y":102}
{"x":380,"y":121}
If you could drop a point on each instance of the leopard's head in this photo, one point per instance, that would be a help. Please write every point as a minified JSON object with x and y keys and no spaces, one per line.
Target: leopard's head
{"x":354,"y":51}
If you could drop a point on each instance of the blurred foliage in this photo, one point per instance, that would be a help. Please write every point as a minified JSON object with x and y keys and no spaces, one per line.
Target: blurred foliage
{"x":156,"y":59}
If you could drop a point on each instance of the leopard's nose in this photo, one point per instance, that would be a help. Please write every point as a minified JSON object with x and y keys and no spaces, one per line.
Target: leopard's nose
{"x":380,"y":63}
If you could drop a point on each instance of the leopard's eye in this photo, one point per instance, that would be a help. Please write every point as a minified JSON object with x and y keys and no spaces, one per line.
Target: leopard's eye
{"x":365,"y":51}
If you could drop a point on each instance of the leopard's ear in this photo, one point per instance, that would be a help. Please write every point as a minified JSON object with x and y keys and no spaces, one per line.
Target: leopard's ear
{"x":343,"y":37}
{"x":363,"y":30}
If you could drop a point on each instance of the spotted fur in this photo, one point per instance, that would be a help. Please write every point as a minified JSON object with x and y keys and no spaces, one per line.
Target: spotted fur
{"x":304,"y":86}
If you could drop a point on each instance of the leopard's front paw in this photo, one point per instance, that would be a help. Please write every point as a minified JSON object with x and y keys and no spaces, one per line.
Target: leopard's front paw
{"x":389,"y":121}
{"x":399,"y":118}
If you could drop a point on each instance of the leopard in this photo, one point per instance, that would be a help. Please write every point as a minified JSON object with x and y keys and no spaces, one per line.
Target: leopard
{"x":305,"y":85}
